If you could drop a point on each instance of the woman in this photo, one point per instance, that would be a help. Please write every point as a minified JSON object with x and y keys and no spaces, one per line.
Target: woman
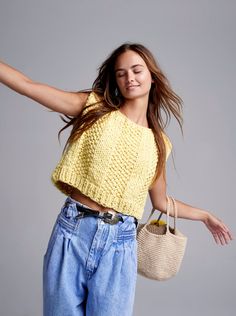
{"x":115,"y":155}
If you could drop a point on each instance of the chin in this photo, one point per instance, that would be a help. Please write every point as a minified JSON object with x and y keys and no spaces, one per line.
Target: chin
{"x":135,"y":94}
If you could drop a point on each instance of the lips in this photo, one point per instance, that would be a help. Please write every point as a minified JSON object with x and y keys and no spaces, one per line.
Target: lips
{"x":132,"y":86}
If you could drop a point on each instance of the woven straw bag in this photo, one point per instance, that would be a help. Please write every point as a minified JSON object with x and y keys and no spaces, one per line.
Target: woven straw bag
{"x":160,"y":248}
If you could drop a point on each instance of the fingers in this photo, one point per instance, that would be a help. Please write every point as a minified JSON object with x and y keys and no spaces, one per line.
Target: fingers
{"x":226,"y":229}
{"x":229,"y":236}
{"x":222,"y":237}
{"x":215,"y":235}
{"x":228,"y":233}
{"x":219,"y":230}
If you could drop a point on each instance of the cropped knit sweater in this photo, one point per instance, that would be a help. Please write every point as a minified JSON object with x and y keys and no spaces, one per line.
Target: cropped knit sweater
{"x":113,"y":163}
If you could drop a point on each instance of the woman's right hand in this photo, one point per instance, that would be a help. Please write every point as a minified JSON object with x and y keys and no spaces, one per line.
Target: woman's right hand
{"x":65,"y":102}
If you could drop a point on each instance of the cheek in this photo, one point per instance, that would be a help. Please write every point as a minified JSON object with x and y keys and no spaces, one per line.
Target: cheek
{"x":145,"y":79}
{"x":120,"y":83}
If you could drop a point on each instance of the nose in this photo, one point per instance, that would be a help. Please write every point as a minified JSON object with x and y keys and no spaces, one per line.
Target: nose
{"x":130,"y":77}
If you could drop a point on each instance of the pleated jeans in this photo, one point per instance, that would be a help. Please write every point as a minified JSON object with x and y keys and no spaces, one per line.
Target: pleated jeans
{"x":90,"y":266}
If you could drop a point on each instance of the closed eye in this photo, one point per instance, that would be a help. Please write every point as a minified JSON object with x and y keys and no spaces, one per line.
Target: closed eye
{"x":121,"y":75}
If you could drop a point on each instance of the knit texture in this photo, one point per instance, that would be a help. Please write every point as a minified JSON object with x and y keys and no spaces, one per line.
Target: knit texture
{"x":113,"y":163}
{"x":160,"y":248}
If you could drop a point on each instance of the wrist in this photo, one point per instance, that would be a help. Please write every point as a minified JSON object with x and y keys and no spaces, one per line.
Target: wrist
{"x":204,"y":216}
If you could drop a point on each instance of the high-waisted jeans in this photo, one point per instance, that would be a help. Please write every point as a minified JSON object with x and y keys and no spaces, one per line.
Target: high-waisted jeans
{"x":90,"y":266}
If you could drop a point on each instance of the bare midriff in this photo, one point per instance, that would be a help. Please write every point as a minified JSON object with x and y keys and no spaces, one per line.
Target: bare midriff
{"x":80,"y":197}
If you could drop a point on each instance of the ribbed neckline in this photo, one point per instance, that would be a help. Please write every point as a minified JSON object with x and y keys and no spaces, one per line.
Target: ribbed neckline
{"x":133,"y":123}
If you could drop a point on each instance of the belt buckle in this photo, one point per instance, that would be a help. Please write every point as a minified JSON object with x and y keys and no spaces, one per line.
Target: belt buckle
{"x":113,"y":219}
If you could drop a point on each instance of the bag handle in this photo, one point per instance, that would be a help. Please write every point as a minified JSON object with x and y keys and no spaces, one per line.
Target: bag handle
{"x":174,"y":206}
{"x":167,"y":211}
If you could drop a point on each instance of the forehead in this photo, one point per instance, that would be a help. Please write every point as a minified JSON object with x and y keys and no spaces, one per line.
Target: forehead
{"x":128,"y":59}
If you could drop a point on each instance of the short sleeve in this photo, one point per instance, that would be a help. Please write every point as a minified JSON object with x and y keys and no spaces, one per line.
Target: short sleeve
{"x":92,"y":98}
{"x":168,"y":145}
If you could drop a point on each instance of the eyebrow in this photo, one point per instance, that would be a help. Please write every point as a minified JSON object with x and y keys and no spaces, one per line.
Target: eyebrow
{"x":130,"y":67}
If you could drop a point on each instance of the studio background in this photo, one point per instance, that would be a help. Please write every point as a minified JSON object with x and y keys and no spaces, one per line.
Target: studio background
{"x":62,"y":43}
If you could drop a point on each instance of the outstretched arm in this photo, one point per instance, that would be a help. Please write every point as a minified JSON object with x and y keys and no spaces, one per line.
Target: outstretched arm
{"x":65,"y":102}
{"x":219,"y":230}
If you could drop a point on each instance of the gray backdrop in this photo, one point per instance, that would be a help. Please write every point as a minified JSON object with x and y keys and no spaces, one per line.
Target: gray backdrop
{"x":62,"y":43}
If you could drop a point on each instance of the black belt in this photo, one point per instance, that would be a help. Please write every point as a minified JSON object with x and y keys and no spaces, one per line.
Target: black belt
{"x":109,"y":217}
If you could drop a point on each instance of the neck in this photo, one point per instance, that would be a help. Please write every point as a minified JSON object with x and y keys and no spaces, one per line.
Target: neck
{"x":136,"y":110}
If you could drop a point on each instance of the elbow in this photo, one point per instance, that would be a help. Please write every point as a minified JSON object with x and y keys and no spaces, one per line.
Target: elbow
{"x":161,"y":205}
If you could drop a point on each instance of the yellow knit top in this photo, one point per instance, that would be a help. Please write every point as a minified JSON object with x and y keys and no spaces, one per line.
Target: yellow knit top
{"x":113,"y":163}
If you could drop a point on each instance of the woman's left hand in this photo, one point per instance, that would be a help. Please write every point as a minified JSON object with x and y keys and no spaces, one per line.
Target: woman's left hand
{"x":219,"y":230}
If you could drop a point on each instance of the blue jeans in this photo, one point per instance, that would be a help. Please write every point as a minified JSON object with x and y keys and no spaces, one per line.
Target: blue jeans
{"x":90,"y":266}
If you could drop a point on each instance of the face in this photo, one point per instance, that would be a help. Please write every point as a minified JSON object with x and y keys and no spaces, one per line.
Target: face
{"x":132,"y":75}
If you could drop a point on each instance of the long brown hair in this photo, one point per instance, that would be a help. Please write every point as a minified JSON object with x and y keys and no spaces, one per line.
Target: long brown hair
{"x":161,"y":99}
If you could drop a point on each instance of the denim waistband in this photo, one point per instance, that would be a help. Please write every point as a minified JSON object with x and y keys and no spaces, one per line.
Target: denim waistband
{"x":69,"y":199}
